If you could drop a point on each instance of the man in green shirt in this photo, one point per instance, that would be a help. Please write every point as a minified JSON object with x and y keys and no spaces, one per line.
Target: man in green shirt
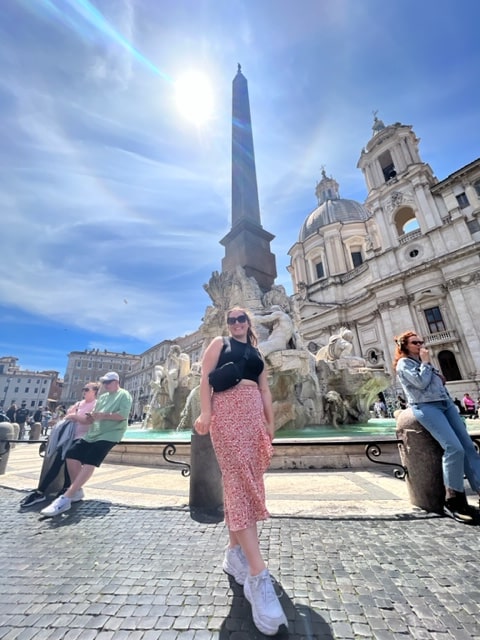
{"x":109,"y":420}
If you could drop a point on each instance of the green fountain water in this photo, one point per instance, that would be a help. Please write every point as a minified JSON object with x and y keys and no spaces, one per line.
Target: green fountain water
{"x":371,"y":429}
{"x":374,"y":428}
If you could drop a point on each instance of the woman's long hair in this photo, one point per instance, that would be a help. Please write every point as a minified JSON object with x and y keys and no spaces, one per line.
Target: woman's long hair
{"x":401,"y":349}
{"x":251,"y":335}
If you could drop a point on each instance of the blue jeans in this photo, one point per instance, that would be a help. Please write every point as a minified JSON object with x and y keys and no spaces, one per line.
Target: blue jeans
{"x":442,"y":420}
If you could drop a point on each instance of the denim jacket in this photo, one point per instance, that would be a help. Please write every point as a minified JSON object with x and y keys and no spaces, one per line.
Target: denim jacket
{"x":420,"y":381}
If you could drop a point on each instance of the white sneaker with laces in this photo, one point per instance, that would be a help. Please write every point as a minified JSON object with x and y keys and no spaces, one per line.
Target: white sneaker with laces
{"x":235,"y":564}
{"x":267,"y":611}
{"x":61,"y":504}
{"x":77,"y":496}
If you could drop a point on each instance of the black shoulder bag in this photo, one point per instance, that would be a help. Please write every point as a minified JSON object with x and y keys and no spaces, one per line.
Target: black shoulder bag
{"x":229,"y":374}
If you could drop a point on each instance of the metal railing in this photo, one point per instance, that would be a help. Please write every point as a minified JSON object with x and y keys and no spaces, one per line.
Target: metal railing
{"x":169,"y":449}
{"x":373,"y":450}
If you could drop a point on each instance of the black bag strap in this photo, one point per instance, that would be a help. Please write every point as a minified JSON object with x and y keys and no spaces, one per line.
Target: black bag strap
{"x":243,"y":361}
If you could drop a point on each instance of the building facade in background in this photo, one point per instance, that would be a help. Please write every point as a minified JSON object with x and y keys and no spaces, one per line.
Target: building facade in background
{"x":407,"y":258}
{"x":34,"y":388}
{"x":90,"y":365}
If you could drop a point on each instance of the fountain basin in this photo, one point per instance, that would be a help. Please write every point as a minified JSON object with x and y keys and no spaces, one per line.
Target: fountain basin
{"x":288,"y":453}
{"x":298,"y":451}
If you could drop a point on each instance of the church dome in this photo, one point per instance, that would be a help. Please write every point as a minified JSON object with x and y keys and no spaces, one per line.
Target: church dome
{"x":331,"y":209}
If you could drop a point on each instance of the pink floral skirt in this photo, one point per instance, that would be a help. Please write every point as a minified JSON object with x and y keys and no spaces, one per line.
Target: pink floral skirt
{"x":243,"y":451}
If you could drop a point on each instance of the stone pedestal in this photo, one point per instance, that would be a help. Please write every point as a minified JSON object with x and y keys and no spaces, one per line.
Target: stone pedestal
{"x":16,"y":431}
{"x":421,"y":454}
{"x":206,"y":486}
{"x":35,"y":431}
{"x":6,"y":433}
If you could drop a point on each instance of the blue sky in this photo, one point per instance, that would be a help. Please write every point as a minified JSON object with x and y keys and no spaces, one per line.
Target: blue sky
{"x":113,"y":203}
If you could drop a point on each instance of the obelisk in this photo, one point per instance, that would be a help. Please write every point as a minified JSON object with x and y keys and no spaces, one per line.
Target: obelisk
{"x":247,"y":244}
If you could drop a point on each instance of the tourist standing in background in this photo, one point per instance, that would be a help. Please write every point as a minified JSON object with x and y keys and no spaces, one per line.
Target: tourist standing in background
{"x":37,"y":416}
{"x":21,"y":417}
{"x":11,"y":412}
{"x":240,"y":421}
{"x":46,"y":417}
{"x":433,"y":408}
{"x":469,"y":405}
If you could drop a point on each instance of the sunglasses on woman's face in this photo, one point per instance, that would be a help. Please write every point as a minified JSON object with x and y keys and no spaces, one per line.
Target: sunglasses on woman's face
{"x":232,"y":320}
{"x":417,"y":342}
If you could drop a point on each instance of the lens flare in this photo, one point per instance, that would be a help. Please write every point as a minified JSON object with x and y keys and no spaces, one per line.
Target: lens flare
{"x":86,"y":20}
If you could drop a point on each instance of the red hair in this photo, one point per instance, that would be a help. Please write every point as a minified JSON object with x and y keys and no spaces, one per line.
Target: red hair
{"x":401,"y":350}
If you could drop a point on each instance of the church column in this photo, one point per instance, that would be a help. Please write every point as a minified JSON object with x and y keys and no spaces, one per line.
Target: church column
{"x":425,"y":207}
{"x":467,"y":320}
{"x":384,"y":227}
{"x":398,"y":158}
{"x":335,"y":252}
{"x":378,"y":173}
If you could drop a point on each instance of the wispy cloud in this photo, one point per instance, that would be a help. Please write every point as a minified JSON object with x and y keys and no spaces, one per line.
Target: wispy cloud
{"x":113,"y":207}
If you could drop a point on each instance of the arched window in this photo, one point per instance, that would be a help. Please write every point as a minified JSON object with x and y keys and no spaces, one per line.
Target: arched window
{"x":448,"y":365}
{"x":405,"y":221}
{"x":387,"y":166}
{"x":476,"y":186}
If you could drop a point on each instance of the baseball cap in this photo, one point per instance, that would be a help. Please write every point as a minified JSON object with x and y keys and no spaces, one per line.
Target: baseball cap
{"x":111,"y":375}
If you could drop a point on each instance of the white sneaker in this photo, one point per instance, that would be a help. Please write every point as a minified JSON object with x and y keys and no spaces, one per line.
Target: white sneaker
{"x":267,"y":611}
{"x":235,"y":564}
{"x":77,"y":496}
{"x":61,"y":504}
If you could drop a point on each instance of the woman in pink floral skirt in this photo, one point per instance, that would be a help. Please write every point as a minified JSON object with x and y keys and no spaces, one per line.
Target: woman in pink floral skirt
{"x":240,"y":421}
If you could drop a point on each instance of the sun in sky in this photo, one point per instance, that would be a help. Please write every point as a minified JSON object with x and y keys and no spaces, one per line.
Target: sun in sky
{"x":194,"y":97}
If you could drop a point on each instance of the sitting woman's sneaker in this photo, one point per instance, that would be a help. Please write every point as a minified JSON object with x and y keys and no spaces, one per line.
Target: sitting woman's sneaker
{"x":58,"y":506}
{"x":33,"y":498}
{"x":457,"y":509}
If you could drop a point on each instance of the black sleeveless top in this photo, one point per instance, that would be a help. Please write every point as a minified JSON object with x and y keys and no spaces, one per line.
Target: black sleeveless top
{"x":233,"y":351}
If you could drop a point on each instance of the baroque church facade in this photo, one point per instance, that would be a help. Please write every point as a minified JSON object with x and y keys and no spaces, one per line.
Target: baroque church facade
{"x":408,"y":258}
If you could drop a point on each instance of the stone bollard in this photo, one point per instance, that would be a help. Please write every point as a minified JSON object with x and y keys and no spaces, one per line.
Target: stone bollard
{"x":16,"y":431}
{"x":421,"y":454}
{"x":35,"y":431}
{"x":6,"y":433}
{"x":206,"y":486}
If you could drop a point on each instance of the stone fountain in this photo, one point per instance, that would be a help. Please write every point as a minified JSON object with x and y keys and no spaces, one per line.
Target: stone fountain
{"x":330,"y":387}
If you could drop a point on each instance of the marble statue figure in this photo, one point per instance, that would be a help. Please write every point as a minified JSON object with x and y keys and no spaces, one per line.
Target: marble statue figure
{"x":281,"y":330}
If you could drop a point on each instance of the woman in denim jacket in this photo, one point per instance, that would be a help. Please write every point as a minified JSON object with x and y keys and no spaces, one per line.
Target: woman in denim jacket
{"x":432,"y":406}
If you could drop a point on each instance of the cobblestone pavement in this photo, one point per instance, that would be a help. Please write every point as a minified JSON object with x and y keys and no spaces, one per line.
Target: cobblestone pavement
{"x":112,"y":570}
